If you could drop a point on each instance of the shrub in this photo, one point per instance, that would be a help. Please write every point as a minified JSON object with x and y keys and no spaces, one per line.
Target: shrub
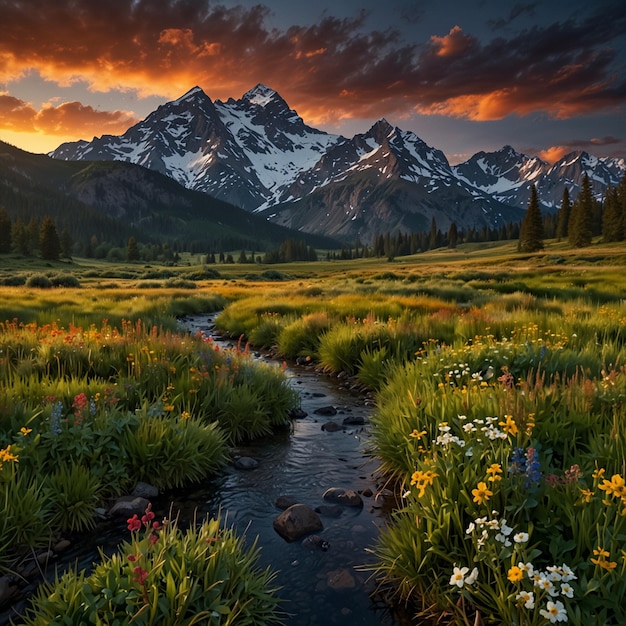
{"x":165,"y":577}
{"x":39,"y":281}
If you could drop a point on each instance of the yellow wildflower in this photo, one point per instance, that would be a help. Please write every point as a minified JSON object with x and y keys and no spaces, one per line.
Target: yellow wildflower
{"x":25,"y":430}
{"x":494,"y":471}
{"x":599,"y":473}
{"x":601,"y":561}
{"x":417,"y":434}
{"x":422,"y":479}
{"x":587,"y":495}
{"x":515,"y":574}
{"x":615,"y":487}
{"x":509,"y":426}
{"x":7,"y":456}
{"x":481,"y":493}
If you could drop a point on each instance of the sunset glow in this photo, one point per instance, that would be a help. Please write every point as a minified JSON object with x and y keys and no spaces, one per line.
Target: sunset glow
{"x":339,"y":72}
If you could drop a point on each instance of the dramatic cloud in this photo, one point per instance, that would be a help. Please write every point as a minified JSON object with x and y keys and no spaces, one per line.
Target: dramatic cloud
{"x":331,"y":70}
{"x":65,"y":119}
{"x":554,"y":153}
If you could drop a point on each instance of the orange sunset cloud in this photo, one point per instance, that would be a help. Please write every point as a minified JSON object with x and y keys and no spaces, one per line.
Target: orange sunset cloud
{"x":328,"y":71}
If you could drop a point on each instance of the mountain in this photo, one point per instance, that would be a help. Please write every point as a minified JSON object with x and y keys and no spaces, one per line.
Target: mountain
{"x":385,"y":180}
{"x":258,"y":154}
{"x":113,"y":200}
{"x":241,"y":151}
{"x":508,"y":175}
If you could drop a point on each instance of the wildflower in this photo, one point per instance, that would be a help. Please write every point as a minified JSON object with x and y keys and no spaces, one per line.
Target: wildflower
{"x":417,"y":434}
{"x":567,"y":574}
{"x":527,"y":568}
{"x":526,"y":598}
{"x":494,"y":471}
{"x":554,"y":612}
{"x":515,"y":574}
{"x":481,"y":493}
{"x":567,"y":590}
{"x":615,"y":487}
{"x":509,"y":426}
{"x":459,"y":576}
{"x":134,"y":523}
{"x":601,"y":561}
{"x":422,"y":479}
{"x":587,"y":494}
{"x":520,"y":537}
{"x":185,"y":415}
{"x":599,"y":473}
{"x":471,"y":579}
{"x":139,"y":575}
{"x":7,"y":456}
{"x":25,"y":430}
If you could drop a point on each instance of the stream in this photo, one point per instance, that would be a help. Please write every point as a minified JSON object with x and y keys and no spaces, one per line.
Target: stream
{"x":318,"y":587}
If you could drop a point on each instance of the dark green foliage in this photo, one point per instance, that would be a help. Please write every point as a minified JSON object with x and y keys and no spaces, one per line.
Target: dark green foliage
{"x":132,"y":251}
{"x":563,"y":216}
{"x":39,"y":280}
{"x":5,"y":232}
{"x":49,"y":242}
{"x":612,"y":217}
{"x":531,"y":231}
{"x":580,"y":231}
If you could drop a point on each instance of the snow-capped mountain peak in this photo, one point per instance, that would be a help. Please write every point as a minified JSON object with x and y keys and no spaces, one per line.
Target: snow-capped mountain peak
{"x":260,"y":95}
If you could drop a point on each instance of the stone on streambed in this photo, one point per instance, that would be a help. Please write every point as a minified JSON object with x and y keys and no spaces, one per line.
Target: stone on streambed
{"x":329,"y":510}
{"x":127,"y":506}
{"x":246,"y":463}
{"x":284,"y":502}
{"x":297,"y":521}
{"x":315,"y":542}
{"x":326,"y":410}
{"x":144,"y":490}
{"x":332,"y":427}
{"x":347,"y":497}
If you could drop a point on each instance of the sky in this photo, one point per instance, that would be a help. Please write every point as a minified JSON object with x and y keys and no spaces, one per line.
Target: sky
{"x":546,"y":77}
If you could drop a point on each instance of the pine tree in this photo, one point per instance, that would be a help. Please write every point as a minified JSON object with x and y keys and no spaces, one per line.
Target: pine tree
{"x":612,"y":218}
{"x":531,"y":231}
{"x":20,"y":241}
{"x":49,"y":243}
{"x":132,"y":250}
{"x":66,"y":244}
{"x":453,"y":235}
{"x":580,"y":229}
{"x":5,"y":231}
{"x":563,"y":216}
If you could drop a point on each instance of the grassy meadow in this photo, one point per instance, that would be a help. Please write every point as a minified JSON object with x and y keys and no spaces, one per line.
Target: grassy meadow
{"x":500,"y":424}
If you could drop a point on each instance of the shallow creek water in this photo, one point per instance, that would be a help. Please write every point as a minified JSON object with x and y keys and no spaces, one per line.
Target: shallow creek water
{"x":318,"y":587}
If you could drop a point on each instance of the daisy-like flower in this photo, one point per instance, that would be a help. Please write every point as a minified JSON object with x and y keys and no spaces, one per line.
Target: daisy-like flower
{"x":481,"y":493}
{"x":472,"y":578}
{"x":567,"y":573}
{"x":526,"y":599}
{"x":567,"y":590}
{"x":520,"y":537}
{"x":554,"y":612}
{"x":458,"y":576}
{"x":527,"y":568}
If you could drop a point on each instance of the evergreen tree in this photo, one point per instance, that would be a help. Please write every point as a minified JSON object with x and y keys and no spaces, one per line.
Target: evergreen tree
{"x":242,"y":257}
{"x":531,"y":230}
{"x":453,"y":235}
{"x":66,"y":244}
{"x":132,"y":249}
{"x":5,"y":231}
{"x":580,"y":229}
{"x":20,"y":241}
{"x":612,"y":218}
{"x":432,"y":236}
{"x":49,"y":242}
{"x":563,"y":216}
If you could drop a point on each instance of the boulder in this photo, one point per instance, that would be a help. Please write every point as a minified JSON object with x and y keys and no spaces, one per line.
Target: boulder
{"x":353,"y":420}
{"x":347,"y":497}
{"x":284,"y":502}
{"x":326,"y":410}
{"x":144,"y":490}
{"x":297,"y":521}
{"x":246,"y":463}
{"x":329,"y":510}
{"x":127,"y":506}
{"x":315,"y":542}
{"x":340,"y":579}
{"x":332,"y":427}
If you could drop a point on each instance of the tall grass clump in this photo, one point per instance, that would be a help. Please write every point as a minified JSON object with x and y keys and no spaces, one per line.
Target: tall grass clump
{"x":165,"y":575}
{"x":511,"y":463}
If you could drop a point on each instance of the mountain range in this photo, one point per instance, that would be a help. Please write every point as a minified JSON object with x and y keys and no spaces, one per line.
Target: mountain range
{"x":258,"y":154}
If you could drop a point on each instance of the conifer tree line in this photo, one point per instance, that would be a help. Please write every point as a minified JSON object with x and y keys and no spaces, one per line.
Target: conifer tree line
{"x":577,"y":221}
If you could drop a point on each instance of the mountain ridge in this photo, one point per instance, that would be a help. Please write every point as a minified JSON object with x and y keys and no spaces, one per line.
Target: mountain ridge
{"x":257,"y":153}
